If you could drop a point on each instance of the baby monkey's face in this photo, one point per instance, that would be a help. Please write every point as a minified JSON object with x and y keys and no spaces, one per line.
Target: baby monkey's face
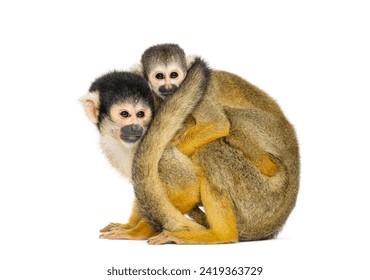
{"x":165,"y":79}
{"x":127,"y":122}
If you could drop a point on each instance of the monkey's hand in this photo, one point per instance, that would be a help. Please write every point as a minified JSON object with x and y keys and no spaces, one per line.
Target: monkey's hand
{"x":115,"y":230}
{"x":209,"y":124}
{"x":200,"y":135}
{"x":120,"y":231}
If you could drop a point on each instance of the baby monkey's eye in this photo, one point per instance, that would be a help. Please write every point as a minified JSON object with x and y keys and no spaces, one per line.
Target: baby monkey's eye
{"x":124,"y":114}
{"x":159,"y":76}
{"x":174,"y":75}
{"x":140,"y":114}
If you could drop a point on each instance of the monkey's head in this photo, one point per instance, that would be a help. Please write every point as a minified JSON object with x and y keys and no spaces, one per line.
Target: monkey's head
{"x":121,"y":105}
{"x":165,"y":67}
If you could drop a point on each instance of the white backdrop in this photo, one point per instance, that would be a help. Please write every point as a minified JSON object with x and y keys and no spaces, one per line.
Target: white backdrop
{"x":58,"y":190}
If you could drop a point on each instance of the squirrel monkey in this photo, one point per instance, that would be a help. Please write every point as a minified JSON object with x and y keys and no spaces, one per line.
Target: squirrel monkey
{"x":122,"y":107}
{"x":240,"y":202}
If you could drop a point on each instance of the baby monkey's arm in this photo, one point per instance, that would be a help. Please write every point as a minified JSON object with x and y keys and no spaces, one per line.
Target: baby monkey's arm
{"x":210,"y":124}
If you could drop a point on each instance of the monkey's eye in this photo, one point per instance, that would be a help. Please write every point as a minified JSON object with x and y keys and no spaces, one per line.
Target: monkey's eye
{"x":124,"y":114}
{"x":174,"y":75}
{"x":159,"y":76}
{"x":140,"y":114}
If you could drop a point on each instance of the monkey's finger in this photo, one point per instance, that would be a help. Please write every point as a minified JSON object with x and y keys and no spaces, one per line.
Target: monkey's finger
{"x":108,"y":227}
{"x":113,"y":226}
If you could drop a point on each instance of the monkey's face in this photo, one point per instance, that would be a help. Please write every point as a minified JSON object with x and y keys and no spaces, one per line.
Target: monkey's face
{"x":165,"y":79}
{"x":127,"y":122}
{"x":121,"y":105}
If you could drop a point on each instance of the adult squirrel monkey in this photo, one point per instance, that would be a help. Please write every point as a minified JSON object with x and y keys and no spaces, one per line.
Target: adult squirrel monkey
{"x":236,"y":135}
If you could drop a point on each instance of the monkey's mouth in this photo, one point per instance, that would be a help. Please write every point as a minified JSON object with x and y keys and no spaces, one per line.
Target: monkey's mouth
{"x":130,"y":138}
{"x":166,"y":94}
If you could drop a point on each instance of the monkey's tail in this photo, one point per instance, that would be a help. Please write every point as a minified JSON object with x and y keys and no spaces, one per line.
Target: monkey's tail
{"x":147,"y":185}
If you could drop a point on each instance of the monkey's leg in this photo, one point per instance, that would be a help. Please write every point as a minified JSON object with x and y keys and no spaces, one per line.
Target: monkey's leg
{"x":220,"y":217}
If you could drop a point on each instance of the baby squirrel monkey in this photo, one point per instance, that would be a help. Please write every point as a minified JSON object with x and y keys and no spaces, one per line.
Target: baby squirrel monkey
{"x":229,"y":132}
{"x":165,"y":67}
{"x":122,"y":106}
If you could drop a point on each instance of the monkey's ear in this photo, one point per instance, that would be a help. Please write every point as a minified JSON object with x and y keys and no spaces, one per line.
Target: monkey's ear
{"x":137,"y":69}
{"x":91,"y":105}
{"x":190,"y":60}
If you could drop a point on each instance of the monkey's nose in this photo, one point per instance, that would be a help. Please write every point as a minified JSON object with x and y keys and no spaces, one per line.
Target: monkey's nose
{"x":171,"y":88}
{"x":132,"y":130}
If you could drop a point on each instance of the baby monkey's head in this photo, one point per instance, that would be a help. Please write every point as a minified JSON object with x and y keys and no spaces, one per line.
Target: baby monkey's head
{"x":121,"y":105}
{"x":165,"y":67}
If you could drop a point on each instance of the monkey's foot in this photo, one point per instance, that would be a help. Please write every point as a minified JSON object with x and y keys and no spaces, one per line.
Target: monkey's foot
{"x":164,"y":238}
{"x":115,"y":226}
{"x":194,"y":237}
